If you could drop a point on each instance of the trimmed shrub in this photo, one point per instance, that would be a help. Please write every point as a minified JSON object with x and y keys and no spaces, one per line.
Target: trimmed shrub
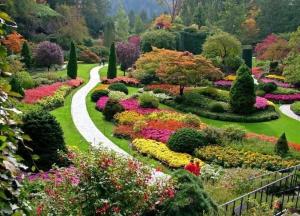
{"x":111,"y":108}
{"x":46,"y":139}
{"x":242,"y":94}
{"x":16,"y":86}
{"x":112,"y":63}
{"x":72,"y":64}
{"x":97,"y":94}
{"x":234,"y":133}
{"x":25,"y":80}
{"x":192,"y":120}
{"x":268,"y":87}
{"x":282,"y":146}
{"x":190,"y":198}
{"x":147,"y":100}
{"x":216,"y":107}
{"x":186,"y":140}
{"x":213,"y":135}
{"x":121,"y":87}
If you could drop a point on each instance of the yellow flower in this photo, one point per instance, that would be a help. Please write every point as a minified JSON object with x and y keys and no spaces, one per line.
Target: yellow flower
{"x":273,"y":76}
{"x":230,"y":77}
{"x":128,"y":117}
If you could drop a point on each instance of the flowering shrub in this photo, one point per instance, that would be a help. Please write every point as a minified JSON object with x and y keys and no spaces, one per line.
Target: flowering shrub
{"x":161,"y":135}
{"x":230,"y":77}
{"x":168,"y":124}
{"x":125,"y":131}
{"x":257,"y":72}
{"x":125,"y":80}
{"x":102,"y":102}
{"x":128,"y":117}
{"x":100,"y":183}
{"x":278,"y":83}
{"x":277,"y":77}
{"x":229,"y":157}
{"x":261,"y":103}
{"x":101,"y":87}
{"x":283,"y":97}
{"x":168,"y":88}
{"x":161,"y":152}
{"x":117,"y":95}
{"x":223,"y":83}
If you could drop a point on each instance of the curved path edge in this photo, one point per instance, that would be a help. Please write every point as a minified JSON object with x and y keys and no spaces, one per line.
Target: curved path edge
{"x":83,"y":121}
{"x":286,"y":110}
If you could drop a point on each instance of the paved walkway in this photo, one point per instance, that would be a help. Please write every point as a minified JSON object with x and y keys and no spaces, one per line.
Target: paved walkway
{"x":82,"y":120}
{"x":286,"y":110}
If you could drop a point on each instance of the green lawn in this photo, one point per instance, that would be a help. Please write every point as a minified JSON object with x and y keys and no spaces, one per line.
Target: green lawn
{"x":63,"y":114}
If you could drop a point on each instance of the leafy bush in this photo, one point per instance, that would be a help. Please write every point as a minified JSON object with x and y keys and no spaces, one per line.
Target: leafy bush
{"x":282,"y":146}
{"x":216,"y":107}
{"x":46,"y":139}
{"x":159,"y":39}
{"x":25,"y":80}
{"x":111,"y":108}
{"x":234,"y":133}
{"x":118,"y":87}
{"x":97,"y":94}
{"x":88,"y":57}
{"x":214,"y":93}
{"x":147,"y":100}
{"x":117,"y":95}
{"x":213,"y":135}
{"x":295,"y":107}
{"x":186,"y":140}
{"x":192,"y":120}
{"x":268,"y":87}
{"x":16,"y":86}
{"x":190,"y":198}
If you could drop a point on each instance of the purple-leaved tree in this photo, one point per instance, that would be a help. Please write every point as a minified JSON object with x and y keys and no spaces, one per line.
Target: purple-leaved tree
{"x":127,"y":54}
{"x":48,"y":54}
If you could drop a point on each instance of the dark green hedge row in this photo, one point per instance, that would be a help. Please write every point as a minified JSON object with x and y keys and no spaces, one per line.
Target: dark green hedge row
{"x":261,"y":116}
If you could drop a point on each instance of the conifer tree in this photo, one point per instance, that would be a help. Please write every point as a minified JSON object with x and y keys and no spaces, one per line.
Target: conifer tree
{"x":26,"y":55}
{"x":72,"y":64}
{"x":282,"y":147}
{"x":112,"y":63}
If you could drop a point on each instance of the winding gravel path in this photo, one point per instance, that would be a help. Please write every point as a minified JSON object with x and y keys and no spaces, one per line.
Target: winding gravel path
{"x":286,"y":110}
{"x":82,"y":120}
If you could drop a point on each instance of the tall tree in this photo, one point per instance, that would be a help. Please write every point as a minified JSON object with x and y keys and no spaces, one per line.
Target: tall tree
{"x":112,"y":63}
{"x":72,"y":64}
{"x":109,"y":33}
{"x":144,"y":16}
{"x":127,"y":54}
{"x":122,"y":24}
{"x":26,"y":55}
{"x":132,"y":19}
{"x":139,"y":26}
{"x":173,"y":6}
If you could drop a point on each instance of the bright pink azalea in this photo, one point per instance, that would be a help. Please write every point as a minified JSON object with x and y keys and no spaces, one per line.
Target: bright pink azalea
{"x":74,"y":82}
{"x":130,"y":104}
{"x":161,"y":135}
{"x":223,"y":83}
{"x":283,"y":98}
{"x":102,"y":102}
{"x":278,"y":83}
{"x":261,"y":103}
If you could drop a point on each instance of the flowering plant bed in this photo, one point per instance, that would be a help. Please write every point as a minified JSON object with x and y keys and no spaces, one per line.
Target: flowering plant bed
{"x":125,"y":80}
{"x":165,"y":88}
{"x":283,"y":98}
{"x":278,"y":83}
{"x":262,"y":103}
{"x":276,"y":77}
{"x":223,"y":84}
{"x":257,"y":72}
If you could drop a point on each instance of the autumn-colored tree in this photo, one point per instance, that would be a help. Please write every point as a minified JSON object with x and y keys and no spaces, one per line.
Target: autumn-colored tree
{"x":264,"y":45}
{"x":173,"y":6}
{"x":14,"y":42}
{"x":276,"y":51}
{"x":179,"y":68}
{"x":163,"y":22}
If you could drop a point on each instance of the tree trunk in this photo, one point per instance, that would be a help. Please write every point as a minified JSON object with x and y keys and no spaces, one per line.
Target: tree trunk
{"x":181,"y":90}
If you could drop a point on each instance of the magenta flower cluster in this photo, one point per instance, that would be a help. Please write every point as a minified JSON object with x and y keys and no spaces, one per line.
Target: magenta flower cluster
{"x":223,"y":83}
{"x":282,"y":97}
{"x":128,"y":104}
{"x":261,"y":103}
{"x":161,"y":135}
{"x":278,"y":83}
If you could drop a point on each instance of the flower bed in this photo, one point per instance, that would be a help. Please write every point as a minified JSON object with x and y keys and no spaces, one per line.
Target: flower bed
{"x":161,"y":152}
{"x":223,"y":83}
{"x":283,"y":98}
{"x":276,"y":77}
{"x":257,"y":72}
{"x":167,"y":88}
{"x":125,"y":80}
{"x":230,"y":77}
{"x":261,"y":103}
{"x":34,"y":95}
{"x":128,"y":117}
{"x":278,"y":83}
{"x":229,"y":157}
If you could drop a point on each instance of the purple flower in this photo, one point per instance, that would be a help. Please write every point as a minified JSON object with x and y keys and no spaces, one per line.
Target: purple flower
{"x":278,"y":83}
{"x":283,"y":97}
{"x":223,"y":83}
{"x":101,"y":102}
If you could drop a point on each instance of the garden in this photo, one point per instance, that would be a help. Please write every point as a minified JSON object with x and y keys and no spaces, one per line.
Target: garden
{"x":161,"y":94}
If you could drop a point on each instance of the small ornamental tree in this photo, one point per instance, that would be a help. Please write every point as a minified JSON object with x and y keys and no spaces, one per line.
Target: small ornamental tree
{"x":13,"y":42}
{"x":112,"y":63}
{"x":26,"y":55}
{"x":48,"y":54}
{"x":282,"y":146}
{"x":127,"y":54}
{"x":72,"y":64}
{"x":291,"y":70}
{"x":242,"y":93}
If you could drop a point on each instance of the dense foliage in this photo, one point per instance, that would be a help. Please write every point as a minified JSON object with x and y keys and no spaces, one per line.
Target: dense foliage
{"x":72,"y":64}
{"x":112,"y":64}
{"x":111,"y":108}
{"x":158,"y":38}
{"x":282,"y":146}
{"x":121,"y":87}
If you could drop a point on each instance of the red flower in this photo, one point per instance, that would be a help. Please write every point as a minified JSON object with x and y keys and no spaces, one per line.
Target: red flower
{"x":39,"y":209}
{"x":103,"y":209}
{"x":116,"y":209}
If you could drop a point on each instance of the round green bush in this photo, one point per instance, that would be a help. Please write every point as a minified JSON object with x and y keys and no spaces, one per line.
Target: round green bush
{"x":216,"y":107}
{"x":97,"y":94}
{"x":46,"y":139}
{"x":268,"y":87}
{"x":111,"y":108}
{"x":186,"y":140}
{"x":25,"y":80}
{"x":148,"y":101}
{"x":118,"y":87}
{"x":234,"y":133}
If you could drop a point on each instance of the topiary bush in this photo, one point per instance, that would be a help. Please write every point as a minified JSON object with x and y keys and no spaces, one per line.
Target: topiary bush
{"x":282,"y":146}
{"x":186,"y":140}
{"x":111,"y":108}
{"x":118,"y":87}
{"x":112,"y":63}
{"x":16,"y":86}
{"x":25,"y":80}
{"x":147,"y":100}
{"x":216,"y":107}
{"x":190,"y":198}
{"x":268,"y":87}
{"x":46,"y":139}
{"x":242,"y":92}
{"x":72,"y":63}
{"x":97,"y":94}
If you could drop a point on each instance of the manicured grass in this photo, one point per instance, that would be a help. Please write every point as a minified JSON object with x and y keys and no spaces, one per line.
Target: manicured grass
{"x":63,"y":114}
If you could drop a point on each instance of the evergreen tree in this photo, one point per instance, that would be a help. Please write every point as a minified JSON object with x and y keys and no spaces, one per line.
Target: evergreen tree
{"x":282,"y":146}
{"x":26,"y":55}
{"x":112,"y":64}
{"x":109,"y":33}
{"x":72,"y":64}
{"x":16,"y":86}
{"x":122,"y":24}
{"x":139,"y":26}
{"x":144,"y":16}
{"x":132,"y":20}
{"x":242,"y":94}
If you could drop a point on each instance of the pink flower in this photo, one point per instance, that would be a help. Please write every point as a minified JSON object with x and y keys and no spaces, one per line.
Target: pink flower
{"x":281,"y":97}
{"x":102,"y":102}
{"x":261,"y":103}
{"x":223,"y":83}
{"x":278,"y":83}
{"x":161,"y":135}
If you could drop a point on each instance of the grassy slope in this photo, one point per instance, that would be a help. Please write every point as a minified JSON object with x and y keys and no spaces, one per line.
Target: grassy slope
{"x":63,"y":114}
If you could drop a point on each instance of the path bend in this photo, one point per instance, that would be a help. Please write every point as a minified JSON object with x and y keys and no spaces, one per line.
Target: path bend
{"x":286,"y":110}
